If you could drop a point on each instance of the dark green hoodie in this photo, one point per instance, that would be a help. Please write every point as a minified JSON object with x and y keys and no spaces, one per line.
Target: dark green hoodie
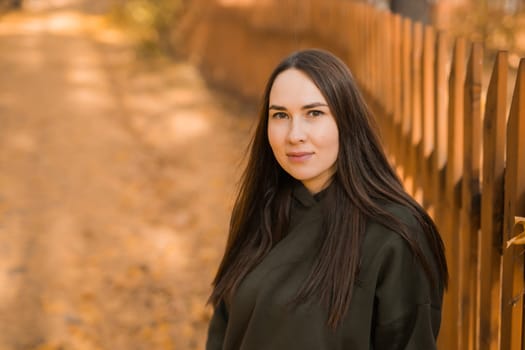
{"x":393,"y":305}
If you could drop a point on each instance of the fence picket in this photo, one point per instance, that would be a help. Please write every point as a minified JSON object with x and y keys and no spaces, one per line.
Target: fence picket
{"x":487,"y":304}
{"x":453,"y":181}
{"x":406,"y":96}
{"x":415,"y":130}
{"x":427,"y":137}
{"x":396,"y":85}
{"x":440,"y":122}
{"x":368,"y":77}
{"x":386,"y":92}
{"x":514,"y":204}
{"x":470,"y":195}
{"x":439,"y":168}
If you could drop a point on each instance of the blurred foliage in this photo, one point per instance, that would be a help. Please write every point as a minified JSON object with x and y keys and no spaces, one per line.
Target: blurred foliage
{"x":499,"y":24}
{"x":479,"y":22}
{"x":151,"y":22}
{"x":7,"y":5}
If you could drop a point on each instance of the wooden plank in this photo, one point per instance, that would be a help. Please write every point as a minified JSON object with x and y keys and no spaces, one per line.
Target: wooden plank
{"x":360,"y":47}
{"x":448,"y":326}
{"x":365,"y":52}
{"x":363,"y":49}
{"x":348,"y":37}
{"x":514,"y":204}
{"x":358,"y":64}
{"x":374,"y":54}
{"x":371,"y":41}
{"x":427,"y":137}
{"x":379,"y":43}
{"x":386,"y":56}
{"x":367,"y":44}
{"x":406,"y":90}
{"x":388,"y":74}
{"x":338,"y":12}
{"x":416,"y":125}
{"x":368,"y":78}
{"x":396,"y":84}
{"x":487,"y":316}
{"x":379,"y":63}
{"x":354,"y":41}
{"x":453,"y":182}
{"x":470,"y":195}
{"x":440,"y":122}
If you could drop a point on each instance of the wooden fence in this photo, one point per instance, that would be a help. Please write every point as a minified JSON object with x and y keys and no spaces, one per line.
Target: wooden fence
{"x":455,"y":142}
{"x":461,"y":155}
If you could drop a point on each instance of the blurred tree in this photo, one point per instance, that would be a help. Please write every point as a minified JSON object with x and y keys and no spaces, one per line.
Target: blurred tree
{"x":499,"y":24}
{"x":153,"y":21}
{"x":491,"y":21}
{"x":10,"y":4}
{"x":418,"y":10}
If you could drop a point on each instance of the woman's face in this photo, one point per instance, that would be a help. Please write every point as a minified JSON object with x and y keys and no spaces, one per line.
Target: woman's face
{"x":302,"y":131}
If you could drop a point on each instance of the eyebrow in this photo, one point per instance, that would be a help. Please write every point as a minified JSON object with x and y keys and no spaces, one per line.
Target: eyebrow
{"x":308,"y":106}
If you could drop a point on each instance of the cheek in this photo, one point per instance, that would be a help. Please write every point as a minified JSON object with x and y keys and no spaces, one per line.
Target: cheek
{"x":335,"y":141}
{"x":330,"y":138}
{"x":331,"y":146}
{"x":335,"y":134}
{"x":274,"y":137}
{"x":334,"y":149}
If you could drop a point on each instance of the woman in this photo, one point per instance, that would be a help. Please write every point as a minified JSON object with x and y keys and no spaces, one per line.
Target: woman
{"x":325,"y":249}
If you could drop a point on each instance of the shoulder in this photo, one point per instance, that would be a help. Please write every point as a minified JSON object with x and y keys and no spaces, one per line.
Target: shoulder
{"x":402,"y":213}
{"x":383,"y":234}
{"x":383,"y":244}
{"x":385,"y":251}
{"x":382,"y":247}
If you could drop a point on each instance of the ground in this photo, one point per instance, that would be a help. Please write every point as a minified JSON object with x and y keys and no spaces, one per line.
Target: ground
{"x":117,"y":178}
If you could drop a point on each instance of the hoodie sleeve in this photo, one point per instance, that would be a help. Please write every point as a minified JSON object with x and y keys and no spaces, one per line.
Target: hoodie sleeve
{"x":407,"y":312}
{"x":217,"y":327}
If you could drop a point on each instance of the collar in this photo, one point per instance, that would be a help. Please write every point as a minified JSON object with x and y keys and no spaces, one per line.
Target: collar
{"x":301,"y":193}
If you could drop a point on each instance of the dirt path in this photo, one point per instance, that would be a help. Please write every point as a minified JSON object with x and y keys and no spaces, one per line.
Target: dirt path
{"x":116,"y":179}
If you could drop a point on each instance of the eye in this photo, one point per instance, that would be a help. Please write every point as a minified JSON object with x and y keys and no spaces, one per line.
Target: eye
{"x":279,"y":115}
{"x":315,"y":113}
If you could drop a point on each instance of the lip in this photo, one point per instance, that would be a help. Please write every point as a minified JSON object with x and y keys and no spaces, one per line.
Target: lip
{"x":299,"y":156}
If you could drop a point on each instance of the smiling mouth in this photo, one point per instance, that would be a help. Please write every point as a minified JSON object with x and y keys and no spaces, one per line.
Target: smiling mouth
{"x":299,"y":156}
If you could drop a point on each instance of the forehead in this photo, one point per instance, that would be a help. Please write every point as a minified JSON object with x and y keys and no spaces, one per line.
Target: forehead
{"x":293,"y":86}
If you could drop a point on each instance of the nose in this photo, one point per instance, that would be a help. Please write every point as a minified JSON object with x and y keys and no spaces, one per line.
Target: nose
{"x":297,"y":132}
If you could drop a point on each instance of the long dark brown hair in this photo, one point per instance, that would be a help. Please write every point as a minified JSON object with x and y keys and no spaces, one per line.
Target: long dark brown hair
{"x":362,"y":183}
